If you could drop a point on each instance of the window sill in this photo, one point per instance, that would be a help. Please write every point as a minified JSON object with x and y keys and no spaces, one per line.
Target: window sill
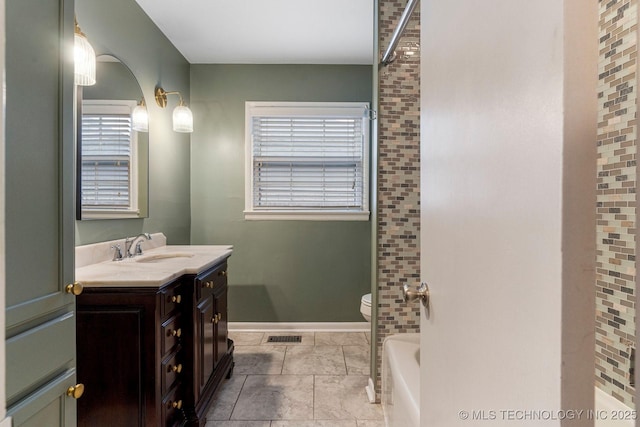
{"x":305,"y":216}
{"x":110,"y":214}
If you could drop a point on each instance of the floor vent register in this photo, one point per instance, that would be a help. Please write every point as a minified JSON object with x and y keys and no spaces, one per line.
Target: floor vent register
{"x":285,"y":338}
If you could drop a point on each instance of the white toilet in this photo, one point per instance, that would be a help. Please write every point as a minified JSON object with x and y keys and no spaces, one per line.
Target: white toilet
{"x":365,"y":307}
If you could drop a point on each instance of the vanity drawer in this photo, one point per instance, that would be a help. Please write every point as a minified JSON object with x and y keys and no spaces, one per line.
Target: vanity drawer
{"x":172,"y":407}
{"x":172,"y":369}
{"x":211,"y":280}
{"x":172,"y":330}
{"x":172,"y":298}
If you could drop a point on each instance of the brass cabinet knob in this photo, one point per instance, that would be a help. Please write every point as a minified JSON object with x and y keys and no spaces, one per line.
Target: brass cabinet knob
{"x":74,"y":288}
{"x":175,"y":404}
{"x":76,"y":391}
{"x":223,"y":273}
{"x":175,"y":332}
{"x":209,"y":284}
{"x":176,"y":298}
{"x":216,"y":318}
{"x":175,"y":368}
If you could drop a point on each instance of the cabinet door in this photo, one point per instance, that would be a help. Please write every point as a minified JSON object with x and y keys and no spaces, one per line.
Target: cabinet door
{"x":220,"y":330}
{"x":39,"y":186}
{"x":49,"y":406}
{"x":206,"y":344}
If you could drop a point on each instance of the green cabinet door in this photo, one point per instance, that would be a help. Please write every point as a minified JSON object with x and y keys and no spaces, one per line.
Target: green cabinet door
{"x":40,"y":315}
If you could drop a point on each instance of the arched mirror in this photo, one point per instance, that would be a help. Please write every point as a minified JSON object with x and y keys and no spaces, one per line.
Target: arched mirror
{"x":113,"y":157}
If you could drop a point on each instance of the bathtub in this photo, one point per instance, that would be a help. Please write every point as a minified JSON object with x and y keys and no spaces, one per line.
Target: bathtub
{"x":610,"y":412}
{"x":401,"y":380}
{"x":401,"y":388}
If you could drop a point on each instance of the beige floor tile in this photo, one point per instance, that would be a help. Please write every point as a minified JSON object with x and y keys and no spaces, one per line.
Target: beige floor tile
{"x":307,"y":338}
{"x":274,"y":384}
{"x":246,"y":338}
{"x":275,"y":397}
{"x":317,"y":423}
{"x":370,"y":423}
{"x":225,"y":399}
{"x":341,"y":338}
{"x":341,"y":397}
{"x":238,"y":424}
{"x":323,"y":360}
{"x":357,"y":359}
{"x":259,"y":359}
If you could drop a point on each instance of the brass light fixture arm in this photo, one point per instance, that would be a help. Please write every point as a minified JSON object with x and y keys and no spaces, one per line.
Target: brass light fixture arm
{"x":161,"y":96}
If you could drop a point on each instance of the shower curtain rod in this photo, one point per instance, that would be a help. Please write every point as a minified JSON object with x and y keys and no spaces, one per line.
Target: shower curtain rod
{"x":390,"y":54}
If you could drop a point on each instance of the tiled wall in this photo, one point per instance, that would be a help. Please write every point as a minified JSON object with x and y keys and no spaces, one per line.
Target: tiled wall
{"x":398,"y":177}
{"x":617,"y":133}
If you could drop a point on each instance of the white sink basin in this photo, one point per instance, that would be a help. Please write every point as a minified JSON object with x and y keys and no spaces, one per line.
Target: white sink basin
{"x":163,"y":257}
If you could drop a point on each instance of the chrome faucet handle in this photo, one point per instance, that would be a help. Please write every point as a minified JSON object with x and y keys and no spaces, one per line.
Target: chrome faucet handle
{"x":117,"y":254}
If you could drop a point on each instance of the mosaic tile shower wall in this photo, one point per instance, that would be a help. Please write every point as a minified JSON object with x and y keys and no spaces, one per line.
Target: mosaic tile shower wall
{"x":615,"y":259}
{"x":398,"y":176}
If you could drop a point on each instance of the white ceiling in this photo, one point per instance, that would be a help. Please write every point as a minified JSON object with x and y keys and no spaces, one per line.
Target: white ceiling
{"x":267,"y":31}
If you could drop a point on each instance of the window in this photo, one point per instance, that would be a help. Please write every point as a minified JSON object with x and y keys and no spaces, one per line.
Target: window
{"x":109,"y":147}
{"x":307,"y":161}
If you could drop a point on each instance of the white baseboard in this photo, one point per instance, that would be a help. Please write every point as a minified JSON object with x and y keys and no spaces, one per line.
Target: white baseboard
{"x":300,"y":326}
{"x":371,"y":391}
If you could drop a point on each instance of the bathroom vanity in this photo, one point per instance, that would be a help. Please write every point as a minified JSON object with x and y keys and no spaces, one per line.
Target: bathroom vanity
{"x":152,"y":341}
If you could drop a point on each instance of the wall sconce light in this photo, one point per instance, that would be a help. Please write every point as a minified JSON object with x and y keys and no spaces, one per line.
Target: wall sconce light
{"x":182,"y":116}
{"x":140,"y":118}
{"x":84,"y":59}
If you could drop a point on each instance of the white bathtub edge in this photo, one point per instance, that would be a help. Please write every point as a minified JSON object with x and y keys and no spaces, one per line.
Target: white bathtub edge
{"x":606,"y":405}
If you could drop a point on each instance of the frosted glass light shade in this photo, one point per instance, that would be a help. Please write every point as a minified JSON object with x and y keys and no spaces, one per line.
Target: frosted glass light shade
{"x":84,"y":61}
{"x":140,"y":118}
{"x":182,"y":119}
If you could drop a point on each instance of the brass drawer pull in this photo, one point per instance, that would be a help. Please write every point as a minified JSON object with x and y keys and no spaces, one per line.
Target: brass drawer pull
{"x":175,"y":332}
{"x":175,"y":368}
{"x":216,"y":318}
{"x":222,"y":273}
{"x":176,"y":299}
{"x":175,"y":404}
{"x":209,"y":284}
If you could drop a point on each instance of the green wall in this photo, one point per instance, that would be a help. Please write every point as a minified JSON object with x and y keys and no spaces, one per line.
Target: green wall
{"x":281,"y":270}
{"x":122,"y":29}
{"x":291,"y":271}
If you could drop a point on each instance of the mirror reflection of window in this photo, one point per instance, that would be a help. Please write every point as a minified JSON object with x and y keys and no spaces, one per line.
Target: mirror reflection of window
{"x":111,"y":183}
{"x":109,"y":149}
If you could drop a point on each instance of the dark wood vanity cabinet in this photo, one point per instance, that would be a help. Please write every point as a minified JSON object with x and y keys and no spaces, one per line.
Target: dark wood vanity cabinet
{"x":152,"y":356}
{"x":212,"y":348}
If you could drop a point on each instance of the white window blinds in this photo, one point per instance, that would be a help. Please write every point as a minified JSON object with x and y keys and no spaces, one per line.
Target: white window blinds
{"x":106,"y":158}
{"x":308,"y":157}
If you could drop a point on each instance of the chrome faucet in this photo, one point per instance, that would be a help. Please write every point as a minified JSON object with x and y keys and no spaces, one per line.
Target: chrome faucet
{"x":128,"y":244}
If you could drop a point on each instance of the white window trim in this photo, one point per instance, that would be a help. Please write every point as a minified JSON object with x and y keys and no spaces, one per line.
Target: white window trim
{"x":100,"y":106}
{"x":293,"y":108}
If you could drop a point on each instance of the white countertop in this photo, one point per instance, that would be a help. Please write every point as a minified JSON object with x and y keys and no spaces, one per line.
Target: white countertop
{"x":155,"y":267}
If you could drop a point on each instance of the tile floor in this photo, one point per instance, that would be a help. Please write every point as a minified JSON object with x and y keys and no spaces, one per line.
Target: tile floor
{"x":316,"y":383}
